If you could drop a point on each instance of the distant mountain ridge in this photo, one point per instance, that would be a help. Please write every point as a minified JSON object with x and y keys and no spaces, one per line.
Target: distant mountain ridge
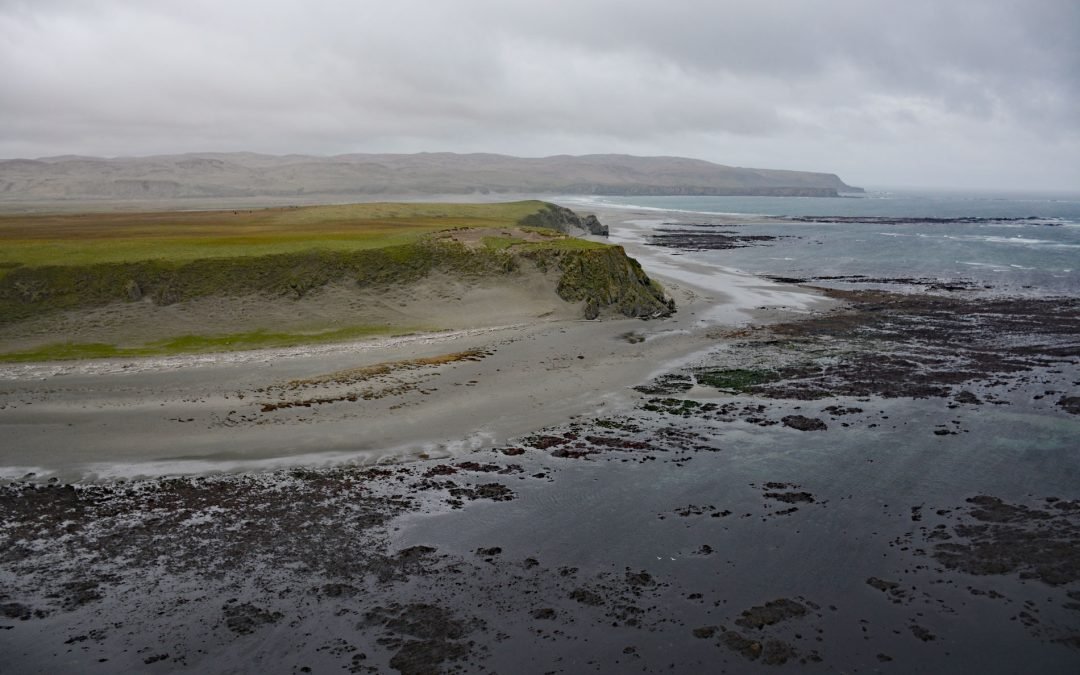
{"x":241,"y":174}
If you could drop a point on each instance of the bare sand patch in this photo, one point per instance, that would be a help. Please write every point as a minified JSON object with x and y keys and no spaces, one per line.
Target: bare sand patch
{"x":437,"y":302}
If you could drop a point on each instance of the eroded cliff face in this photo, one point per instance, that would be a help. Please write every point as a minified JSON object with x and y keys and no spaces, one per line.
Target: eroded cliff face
{"x":607,"y":281}
{"x":603,"y":278}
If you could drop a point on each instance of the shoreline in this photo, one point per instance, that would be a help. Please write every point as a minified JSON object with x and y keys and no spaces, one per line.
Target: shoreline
{"x":887,"y":486}
{"x":126,"y":418}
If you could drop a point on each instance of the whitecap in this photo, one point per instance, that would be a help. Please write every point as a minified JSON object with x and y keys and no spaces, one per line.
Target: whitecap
{"x":994,"y":267}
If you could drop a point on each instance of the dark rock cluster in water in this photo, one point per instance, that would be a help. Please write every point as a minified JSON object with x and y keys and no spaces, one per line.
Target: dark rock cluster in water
{"x":924,"y":282}
{"x":705,"y":238}
{"x":913,"y":220}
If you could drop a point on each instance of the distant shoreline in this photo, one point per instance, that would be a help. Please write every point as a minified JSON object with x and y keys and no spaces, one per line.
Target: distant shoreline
{"x":268,"y":179}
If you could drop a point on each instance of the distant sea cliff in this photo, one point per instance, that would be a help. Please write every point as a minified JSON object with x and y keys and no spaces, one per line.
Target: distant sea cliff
{"x":249,"y":175}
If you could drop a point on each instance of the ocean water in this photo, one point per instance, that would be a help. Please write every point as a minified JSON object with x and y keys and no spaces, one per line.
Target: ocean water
{"x":1015,"y":244}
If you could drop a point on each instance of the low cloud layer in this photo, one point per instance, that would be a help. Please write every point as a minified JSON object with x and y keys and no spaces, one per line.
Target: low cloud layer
{"x":966,"y":93}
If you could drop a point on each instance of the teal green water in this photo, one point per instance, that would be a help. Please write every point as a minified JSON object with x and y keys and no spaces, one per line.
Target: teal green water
{"x":894,"y":235}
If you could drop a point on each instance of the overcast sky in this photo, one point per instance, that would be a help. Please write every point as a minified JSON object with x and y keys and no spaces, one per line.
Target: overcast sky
{"x":950,"y":93}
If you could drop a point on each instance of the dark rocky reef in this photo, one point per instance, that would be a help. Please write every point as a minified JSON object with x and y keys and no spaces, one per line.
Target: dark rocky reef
{"x":892,"y":220}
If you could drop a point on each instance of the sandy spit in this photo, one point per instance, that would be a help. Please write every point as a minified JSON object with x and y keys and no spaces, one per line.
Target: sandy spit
{"x":100,"y":420}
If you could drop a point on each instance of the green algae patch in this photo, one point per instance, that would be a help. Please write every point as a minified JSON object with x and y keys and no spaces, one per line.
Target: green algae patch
{"x":735,"y":380}
{"x":195,"y":344}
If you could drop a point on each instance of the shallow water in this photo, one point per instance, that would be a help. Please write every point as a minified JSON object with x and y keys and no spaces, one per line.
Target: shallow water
{"x":611,"y":514}
{"x":883,"y":236}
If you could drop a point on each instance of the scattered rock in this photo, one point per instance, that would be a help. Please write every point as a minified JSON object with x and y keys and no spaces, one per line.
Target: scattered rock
{"x":586,"y":597}
{"x":771,"y":613}
{"x":1070,"y":404}
{"x":922,"y":633}
{"x":791,"y":497}
{"x":803,"y":423}
{"x":881,"y":584}
{"x":246,"y":618}
{"x":496,"y":492}
{"x":1038,"y":543}
{"x":15,"y":610}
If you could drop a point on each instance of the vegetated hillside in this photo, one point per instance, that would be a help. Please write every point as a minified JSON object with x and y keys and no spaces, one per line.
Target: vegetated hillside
{"x":53,"y":265}
{"x":247,"y":175}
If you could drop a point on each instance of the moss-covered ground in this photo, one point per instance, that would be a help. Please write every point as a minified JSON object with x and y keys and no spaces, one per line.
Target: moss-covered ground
{"x":735,"y":380}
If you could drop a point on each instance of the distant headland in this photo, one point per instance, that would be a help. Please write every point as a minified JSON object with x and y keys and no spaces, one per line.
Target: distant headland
{"x":304,"y":177}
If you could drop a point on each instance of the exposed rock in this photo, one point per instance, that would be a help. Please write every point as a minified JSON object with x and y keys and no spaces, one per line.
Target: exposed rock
{"x":586,"y":597}
{"x":803,"y":423}
{"x":771,"y":613}
{"x":881,"y":584}
{"x":922,"y":633}
{"x":246,"y":618}
{"x":1070,"y":404}
{"x":791,"y":497}
{"x":566,"y":221}
{"x":967,"y":397}
{"x":1034,"y":543}
{"x":15,"y":610}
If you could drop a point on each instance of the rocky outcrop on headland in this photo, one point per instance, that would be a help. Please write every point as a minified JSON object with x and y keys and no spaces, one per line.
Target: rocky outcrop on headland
{"x":606,"y":280}
{"x":566,"y":221}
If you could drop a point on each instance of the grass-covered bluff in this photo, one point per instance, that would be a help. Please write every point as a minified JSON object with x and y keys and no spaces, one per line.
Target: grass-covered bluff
{"x":73,"y":262}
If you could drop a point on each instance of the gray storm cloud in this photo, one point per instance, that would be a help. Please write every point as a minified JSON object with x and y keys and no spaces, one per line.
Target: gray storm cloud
{"x":964,"y":93}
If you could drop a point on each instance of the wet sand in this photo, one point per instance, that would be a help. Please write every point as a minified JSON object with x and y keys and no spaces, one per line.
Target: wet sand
{"x":888,"y":487}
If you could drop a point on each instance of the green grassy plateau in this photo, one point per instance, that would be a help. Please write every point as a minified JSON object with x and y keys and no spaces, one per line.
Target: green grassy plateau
{"x":178,"y":236}
{"x":51,"y":263}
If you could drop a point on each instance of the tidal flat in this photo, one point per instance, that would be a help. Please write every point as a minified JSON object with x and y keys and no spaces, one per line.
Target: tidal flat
{"x":774,"y":478}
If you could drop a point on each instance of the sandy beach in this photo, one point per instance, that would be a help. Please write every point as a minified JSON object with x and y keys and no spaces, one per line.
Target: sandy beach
{"x":540,"y":365}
